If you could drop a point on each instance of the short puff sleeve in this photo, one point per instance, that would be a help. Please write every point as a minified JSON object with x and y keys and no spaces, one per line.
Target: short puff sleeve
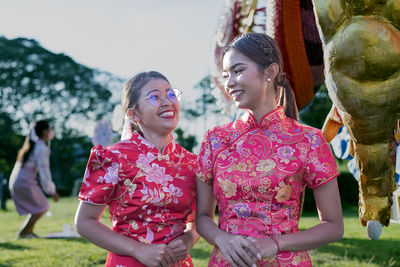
{"x":321,"y":166}
{"x":204,"y":166}
{"x":101,"y":177}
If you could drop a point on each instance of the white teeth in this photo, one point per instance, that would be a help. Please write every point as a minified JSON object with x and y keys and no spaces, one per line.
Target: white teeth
{"x":167,"y":114}
{"x":236,"y":93}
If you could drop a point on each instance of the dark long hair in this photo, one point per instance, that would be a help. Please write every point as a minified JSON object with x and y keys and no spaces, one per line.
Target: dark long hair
{"x":29,"y":144}
{"x":264,"y":51}
{"x":132,"y":90}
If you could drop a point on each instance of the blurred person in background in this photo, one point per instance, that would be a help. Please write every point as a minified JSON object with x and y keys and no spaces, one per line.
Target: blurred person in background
{"x":26,"y":187}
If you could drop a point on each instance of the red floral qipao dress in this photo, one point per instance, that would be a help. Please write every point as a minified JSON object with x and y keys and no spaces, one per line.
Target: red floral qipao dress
{"x":258,"y":171}
{"x":150,"y":194}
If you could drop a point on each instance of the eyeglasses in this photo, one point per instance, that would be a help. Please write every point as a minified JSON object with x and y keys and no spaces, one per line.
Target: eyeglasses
{"x":156,"y":98}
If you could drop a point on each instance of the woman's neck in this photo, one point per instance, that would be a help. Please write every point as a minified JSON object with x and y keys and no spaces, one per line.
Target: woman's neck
{"x":264,"y":105}
{"x":159,"y":140}
{"x":260,"y":112}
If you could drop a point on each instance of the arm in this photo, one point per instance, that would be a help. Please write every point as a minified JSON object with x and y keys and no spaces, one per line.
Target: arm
{"x":88,"y":225}
{"x":42,"y":159}
{"x":205,"y":210}
{"x":235,"y":248}
{"x":330,"y":228}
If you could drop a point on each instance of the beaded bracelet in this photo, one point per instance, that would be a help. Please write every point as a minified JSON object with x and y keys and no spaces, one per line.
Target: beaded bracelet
{"x":276,"y":242}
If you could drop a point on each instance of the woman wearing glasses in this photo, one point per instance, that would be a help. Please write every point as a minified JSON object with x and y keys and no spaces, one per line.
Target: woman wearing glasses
{"x":147,"y":182}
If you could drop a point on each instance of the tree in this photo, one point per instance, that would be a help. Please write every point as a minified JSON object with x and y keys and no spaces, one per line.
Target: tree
{"x":188,"y":142}
{"x":210,"y":108}
{"x":69,"y":157}
{"x":205,"y":103}
{"x":315,"y":112}
{"x":36,"y":83}
{"x":10,"y":143}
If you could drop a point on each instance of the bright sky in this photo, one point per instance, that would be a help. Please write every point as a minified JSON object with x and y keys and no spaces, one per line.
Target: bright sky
{"x":123,"y":37}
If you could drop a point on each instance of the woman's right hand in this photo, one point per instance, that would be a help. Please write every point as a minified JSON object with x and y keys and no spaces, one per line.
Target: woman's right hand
{"x":267,"y":246}
{"x":155,"y":255}
{"x":237,"y":250}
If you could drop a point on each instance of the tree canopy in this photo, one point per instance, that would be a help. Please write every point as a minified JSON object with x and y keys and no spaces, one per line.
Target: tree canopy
{"x":36,"y":83}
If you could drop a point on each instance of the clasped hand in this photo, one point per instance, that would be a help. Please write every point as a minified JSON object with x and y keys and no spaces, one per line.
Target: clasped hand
{"x":241,"y":251}
{"x":237,"y":250}
{"x":163,"y":254}
{"x":265,"y":246}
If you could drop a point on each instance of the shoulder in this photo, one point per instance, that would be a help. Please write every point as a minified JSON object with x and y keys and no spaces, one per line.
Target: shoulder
{"x":40,"y":148}
{"x":181,"y":150}
{"x":310,"y":131}
{"x":302,"y":128}
{"x":105,"y":153}
{"x":312,"y":136}
{"x":124,"y":146}
{"x":226,"y":130}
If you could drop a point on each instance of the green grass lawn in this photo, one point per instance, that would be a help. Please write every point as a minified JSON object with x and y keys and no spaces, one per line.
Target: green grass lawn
{"x":353,"y":250}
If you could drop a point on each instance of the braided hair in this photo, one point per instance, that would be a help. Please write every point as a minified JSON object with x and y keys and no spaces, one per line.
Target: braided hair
{"x":264,"y":51}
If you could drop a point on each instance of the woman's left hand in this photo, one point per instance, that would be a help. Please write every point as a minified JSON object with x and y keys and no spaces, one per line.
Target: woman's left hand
{"x":181,"y":245}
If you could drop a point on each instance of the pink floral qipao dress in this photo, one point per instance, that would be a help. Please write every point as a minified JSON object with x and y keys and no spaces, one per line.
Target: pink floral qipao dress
{"x":150,"y":194}
{"x":258,"y":171}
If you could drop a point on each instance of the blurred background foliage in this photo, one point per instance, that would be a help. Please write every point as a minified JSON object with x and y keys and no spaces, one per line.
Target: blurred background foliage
{"x":38,"y":84}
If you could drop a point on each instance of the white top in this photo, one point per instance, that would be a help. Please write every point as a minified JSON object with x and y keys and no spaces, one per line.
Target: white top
{"x":40,"y":159}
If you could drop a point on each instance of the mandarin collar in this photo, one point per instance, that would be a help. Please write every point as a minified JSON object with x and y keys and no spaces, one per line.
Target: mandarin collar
{"x":168,"y":149}
{"x":269,"y":119}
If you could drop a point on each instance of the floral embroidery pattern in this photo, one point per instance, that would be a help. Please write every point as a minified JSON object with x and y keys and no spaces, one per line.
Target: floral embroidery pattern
{"x":111,"y":175}
{"x":242,"y":210}
{"x":157,"y":175}
{"x":284,"y":193}
{"x":265,"y":165}
{"x":228,"y":188}
{"x":215,"y":142}
{"x":285,"y":152}
{"x":144,"y":161}
{"x":175,"y":192}
{"x":314,"y":139}
{"x":130,"y":186}
{"x":262,"y":168}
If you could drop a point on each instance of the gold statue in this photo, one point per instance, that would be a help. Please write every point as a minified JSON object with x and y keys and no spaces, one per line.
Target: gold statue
{"x":361,"y":40}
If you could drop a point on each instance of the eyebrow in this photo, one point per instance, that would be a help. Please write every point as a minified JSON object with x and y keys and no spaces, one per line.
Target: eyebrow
{"x":234,"y":66}
{"x":157,"y":90}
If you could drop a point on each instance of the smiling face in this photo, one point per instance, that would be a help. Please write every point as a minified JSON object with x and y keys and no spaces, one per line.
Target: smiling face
{"x":161,"y":119}
{"x":247,"y":85}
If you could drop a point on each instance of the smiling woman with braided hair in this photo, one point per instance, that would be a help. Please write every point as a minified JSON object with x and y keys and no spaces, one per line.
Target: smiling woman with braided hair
{"x":256,"y":168}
